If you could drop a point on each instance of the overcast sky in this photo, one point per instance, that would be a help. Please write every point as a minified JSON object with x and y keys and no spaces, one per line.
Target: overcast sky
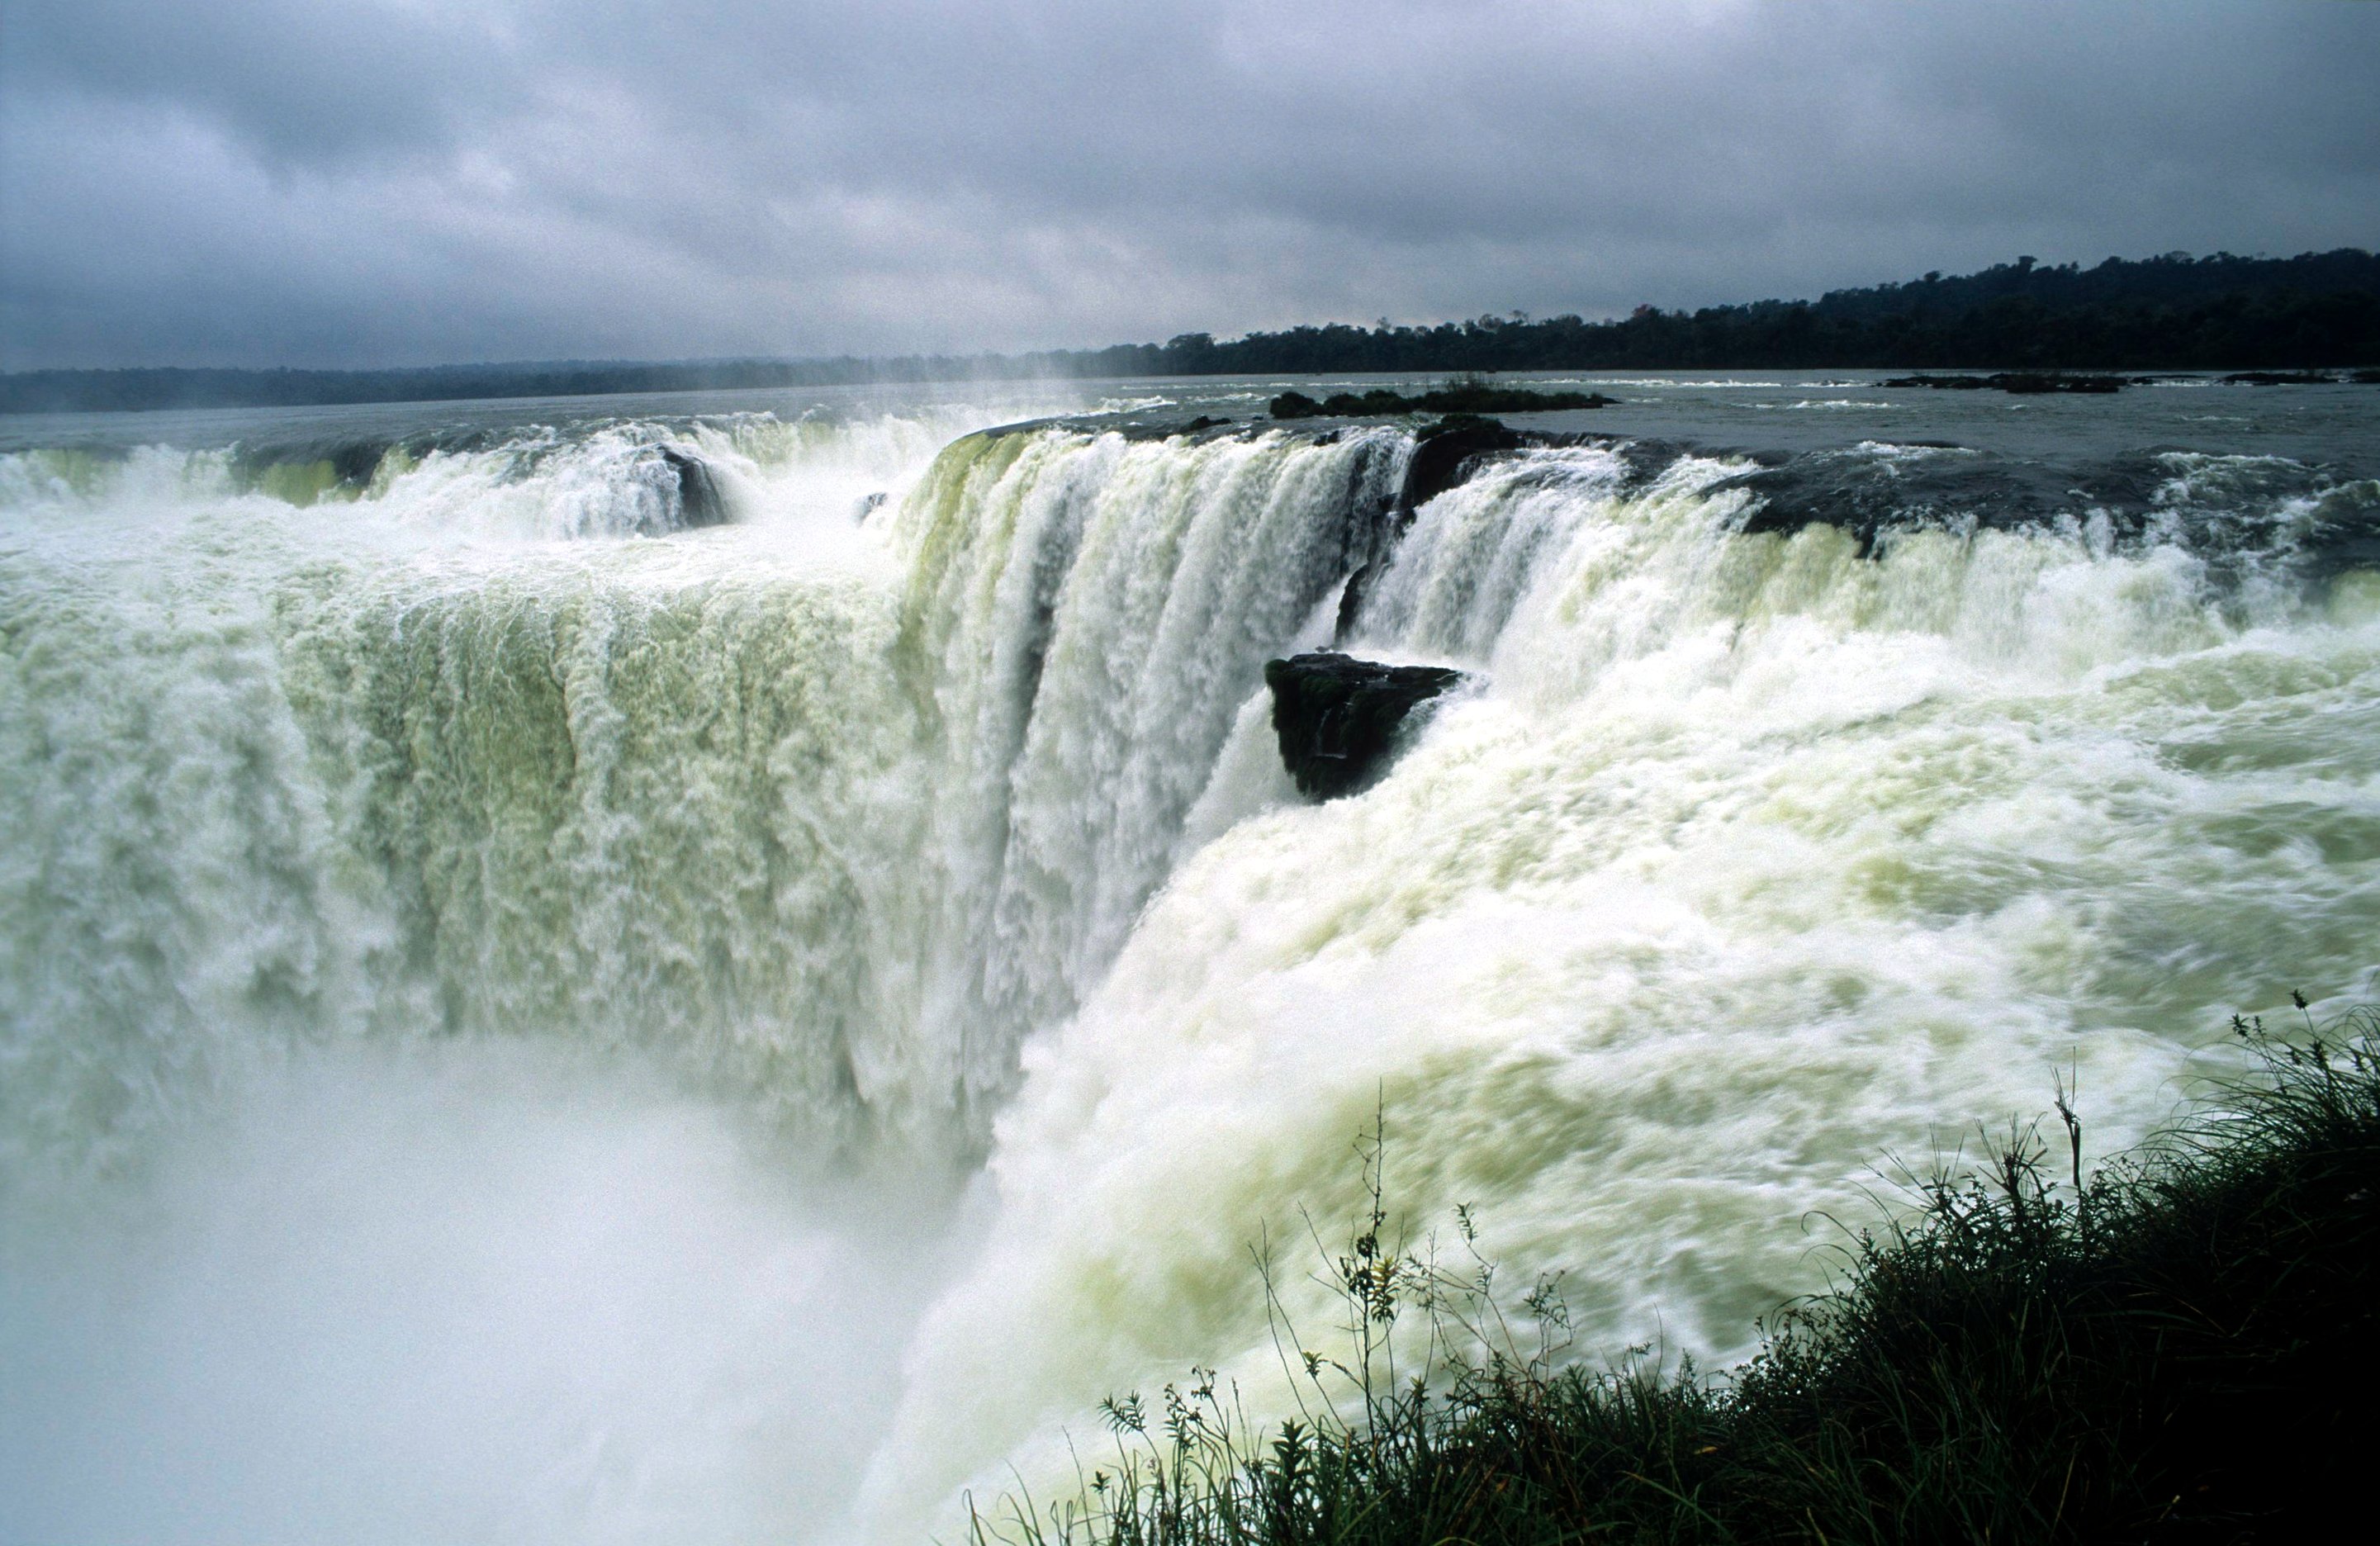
{"x":366,"y":182}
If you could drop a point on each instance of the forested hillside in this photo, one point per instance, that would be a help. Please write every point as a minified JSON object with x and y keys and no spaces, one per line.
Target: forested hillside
{"x":2320,"y":309}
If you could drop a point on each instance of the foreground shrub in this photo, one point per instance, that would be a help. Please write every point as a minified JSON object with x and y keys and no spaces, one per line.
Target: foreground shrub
{"x":2179,"y":1349}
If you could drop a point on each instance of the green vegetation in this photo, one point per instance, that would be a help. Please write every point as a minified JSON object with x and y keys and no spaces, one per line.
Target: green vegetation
{"x":2174,"y":312}
{"x":2177,"y":1348}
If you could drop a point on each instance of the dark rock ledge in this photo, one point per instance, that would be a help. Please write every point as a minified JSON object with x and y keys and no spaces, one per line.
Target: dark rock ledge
{"x":1444,"y":454}
{"x":1466,"y":396}
{"x":2022,"y":382}
{"x":1337,"y":717}
{"x":698,"y":501}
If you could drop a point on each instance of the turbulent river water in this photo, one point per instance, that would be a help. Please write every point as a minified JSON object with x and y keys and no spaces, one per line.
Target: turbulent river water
{"x":699,"y":968}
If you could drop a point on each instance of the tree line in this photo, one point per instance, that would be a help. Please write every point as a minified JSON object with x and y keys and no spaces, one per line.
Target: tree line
{"x":2315,"y":310}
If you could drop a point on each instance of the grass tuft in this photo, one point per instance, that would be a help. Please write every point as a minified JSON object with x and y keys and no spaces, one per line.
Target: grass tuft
{"x":2179,"y":1348}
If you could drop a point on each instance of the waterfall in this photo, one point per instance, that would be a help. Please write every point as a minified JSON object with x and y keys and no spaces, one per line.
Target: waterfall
{"x":834,"y":835}
{"x":902,"y":870}
{"x":1750,"y":863}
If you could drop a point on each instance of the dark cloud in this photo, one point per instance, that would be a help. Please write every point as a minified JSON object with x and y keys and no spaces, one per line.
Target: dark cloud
{"x":383,"y":181}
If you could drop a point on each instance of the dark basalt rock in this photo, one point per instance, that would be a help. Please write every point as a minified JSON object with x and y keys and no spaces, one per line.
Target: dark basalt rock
{"x":1444,"y":451}
{"x":2279,"y":519}
{"x":1444,"y":454}
{"x":354,"y":464}
{"x":1461,"y":398}
{"x":1939,"y":384}
{"x":1337,"y":717}
{"x":1867,"y":496}
{"x":2027,"y":383}
{"x":2024,"y":383}
{"x":698,"y":493}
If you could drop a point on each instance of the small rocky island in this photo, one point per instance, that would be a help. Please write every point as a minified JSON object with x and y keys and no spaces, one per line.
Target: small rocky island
{"x":2021,"y":383}
{"x":1337,"y":717}
{"x":1460,"y":396}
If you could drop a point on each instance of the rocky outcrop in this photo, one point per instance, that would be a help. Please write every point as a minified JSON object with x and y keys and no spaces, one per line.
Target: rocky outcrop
{"x":698,"y":503}
{"x":1444,"y":454}
{"x":1337,"y":717}
{"x":1470,"y":396}
{"x":2023,"y":382}
{"x":357,"y":463}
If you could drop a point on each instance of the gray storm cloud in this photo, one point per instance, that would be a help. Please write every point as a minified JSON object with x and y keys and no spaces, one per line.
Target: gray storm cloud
{"x":410,"y":181}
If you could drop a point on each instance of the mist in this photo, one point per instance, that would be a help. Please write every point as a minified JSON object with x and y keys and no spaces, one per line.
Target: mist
{"x":466,"y":1291}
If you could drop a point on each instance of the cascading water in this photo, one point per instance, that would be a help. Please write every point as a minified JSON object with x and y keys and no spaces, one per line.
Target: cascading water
{"x":1084,"y":618}
{"x":1753,"y":863}
{"x":405,"y":833}
{"x":835,"y":841}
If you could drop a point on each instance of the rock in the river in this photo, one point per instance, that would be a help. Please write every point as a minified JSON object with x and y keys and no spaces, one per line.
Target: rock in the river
{"x":698,"y":494}
{"x":1446,"y":449}
{"x":2023,"y":382}
{"x":1337,"y":717}
{"x":1465,"y":397}
{"x":1444,"y":453}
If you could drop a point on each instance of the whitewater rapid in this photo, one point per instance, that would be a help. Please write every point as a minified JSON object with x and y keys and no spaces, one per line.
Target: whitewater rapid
{"x":860,"y":975}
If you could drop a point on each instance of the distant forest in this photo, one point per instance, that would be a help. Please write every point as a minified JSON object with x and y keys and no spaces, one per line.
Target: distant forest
{"x":2319,"y":310}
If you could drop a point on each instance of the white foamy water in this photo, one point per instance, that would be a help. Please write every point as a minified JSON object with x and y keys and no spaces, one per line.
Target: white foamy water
{"x":1753,"y":864}
{"x":515,"y":1031}
{"x":474,"y":1292}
